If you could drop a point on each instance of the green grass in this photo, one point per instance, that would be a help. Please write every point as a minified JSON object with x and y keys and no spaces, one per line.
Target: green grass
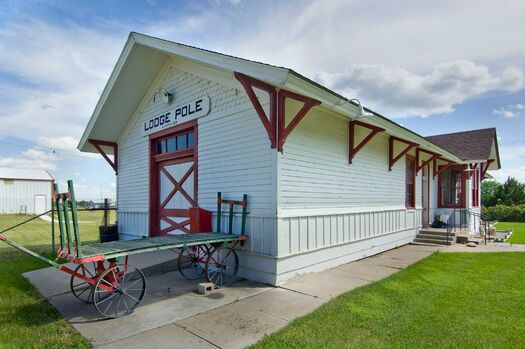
{"x":449,"y":300}
{"x":26,"y":319}
{"x":518,"y":231}
{"x":36,"y":234}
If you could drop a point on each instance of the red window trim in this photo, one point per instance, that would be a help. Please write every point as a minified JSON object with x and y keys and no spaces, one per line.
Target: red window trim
{"x":463,"y":186}
{"x":411,"y":205}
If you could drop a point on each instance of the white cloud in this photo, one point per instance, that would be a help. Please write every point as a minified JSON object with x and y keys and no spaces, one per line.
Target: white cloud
{"x":413,"y":35}
{"x":502,"y":174}
{"x":31,"y":158}
{"x":509,"y":111}
{"x":403,"y":93}
{"x":505,"y":113}
{"x":58,"y":74}
{"x":65,"y":146}
{"x":46,"y":154}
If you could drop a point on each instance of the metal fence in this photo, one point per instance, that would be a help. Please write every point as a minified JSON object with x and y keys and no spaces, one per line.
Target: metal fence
{"x":39,"y":232}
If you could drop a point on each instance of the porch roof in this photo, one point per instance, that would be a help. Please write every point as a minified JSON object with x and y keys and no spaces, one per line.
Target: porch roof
{"x":474,"y":145}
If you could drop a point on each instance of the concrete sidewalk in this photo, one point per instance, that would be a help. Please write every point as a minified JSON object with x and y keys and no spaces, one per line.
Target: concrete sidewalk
{"x":174,"y":316}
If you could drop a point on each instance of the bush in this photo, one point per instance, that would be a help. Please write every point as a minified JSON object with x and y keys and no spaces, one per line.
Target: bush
{"x":504,"y":213}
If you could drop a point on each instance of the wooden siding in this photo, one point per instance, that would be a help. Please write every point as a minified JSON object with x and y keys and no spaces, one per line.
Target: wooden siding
{"x":234,"y":156}
{"x":326,"y":203}
{"x":314,"y":169}
{"x":308,"y":233}
{"x":333,"y":256}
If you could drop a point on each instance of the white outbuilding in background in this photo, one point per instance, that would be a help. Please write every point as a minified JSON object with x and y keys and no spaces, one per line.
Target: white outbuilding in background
{"x":25,"y":191}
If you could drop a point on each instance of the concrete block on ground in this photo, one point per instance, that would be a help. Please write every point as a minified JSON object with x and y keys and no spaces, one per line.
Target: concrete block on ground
{"x":206,"y":287}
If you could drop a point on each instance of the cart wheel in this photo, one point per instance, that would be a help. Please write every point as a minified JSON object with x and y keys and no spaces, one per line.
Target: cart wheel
{"x":119,"y":290}
{"x":222,"y":266}
{"x":82,"y":289}
{"x":192,"y":262}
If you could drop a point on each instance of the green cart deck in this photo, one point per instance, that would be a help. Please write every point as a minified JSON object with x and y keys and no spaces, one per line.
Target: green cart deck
{"x":121,"y":248}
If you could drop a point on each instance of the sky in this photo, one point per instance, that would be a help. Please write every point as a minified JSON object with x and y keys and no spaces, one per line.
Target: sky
{"x":433,"y":66}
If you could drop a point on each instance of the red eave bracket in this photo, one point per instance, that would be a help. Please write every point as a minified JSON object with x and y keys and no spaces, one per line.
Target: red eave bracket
{"x":391,"y":159}
{"x":269,"y":122}
{"x":484,"y":170}
{"x":436,"y":171}
{"x":425,"y":162}
{"x":98,"y":144}
{"x":353,"y":150}
{"x":283,"y":130}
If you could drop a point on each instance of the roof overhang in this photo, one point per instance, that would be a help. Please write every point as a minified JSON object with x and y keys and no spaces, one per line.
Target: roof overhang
{"x":143,"y":57}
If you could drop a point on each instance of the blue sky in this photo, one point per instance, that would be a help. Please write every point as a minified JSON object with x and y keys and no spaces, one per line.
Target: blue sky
{"x":434,"y":67}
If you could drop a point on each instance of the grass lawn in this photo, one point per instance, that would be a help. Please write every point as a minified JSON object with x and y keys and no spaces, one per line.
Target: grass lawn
{"x":26,"y":319}
{"x":449,"y":300}
{"x":518,"y":231}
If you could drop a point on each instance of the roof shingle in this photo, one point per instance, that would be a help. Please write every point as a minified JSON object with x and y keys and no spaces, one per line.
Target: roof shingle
{"x":467,"y":145}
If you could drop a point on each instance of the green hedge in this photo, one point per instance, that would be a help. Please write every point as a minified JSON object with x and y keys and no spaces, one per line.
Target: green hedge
{"x":504,"y":213}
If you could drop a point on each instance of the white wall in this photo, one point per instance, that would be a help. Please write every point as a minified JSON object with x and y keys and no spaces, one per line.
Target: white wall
{"x":18,"y":196}
{"x":334,"y":210}
{"x":234,"y":156}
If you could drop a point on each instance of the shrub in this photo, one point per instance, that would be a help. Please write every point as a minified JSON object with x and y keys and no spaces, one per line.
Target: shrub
{"x":504,"y":213}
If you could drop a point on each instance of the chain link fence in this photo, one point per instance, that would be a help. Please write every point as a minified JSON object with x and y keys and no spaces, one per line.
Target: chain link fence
{"x":39,"y":232}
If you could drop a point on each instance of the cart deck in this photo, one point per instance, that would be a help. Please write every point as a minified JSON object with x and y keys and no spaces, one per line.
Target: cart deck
{"x":115,"y":249}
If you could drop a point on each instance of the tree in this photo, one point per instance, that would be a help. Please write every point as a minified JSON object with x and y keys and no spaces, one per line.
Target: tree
{"x":513,"y":192}
{"x":491,"y":193}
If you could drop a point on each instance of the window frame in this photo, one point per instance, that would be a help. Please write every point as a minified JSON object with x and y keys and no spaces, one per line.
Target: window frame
{"x":462,"y":204}
{"x":175,"y":137}
{"x":410,"y":205}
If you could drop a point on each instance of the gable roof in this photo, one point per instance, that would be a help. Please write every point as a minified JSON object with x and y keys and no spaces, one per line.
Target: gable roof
{"x":27,"y":174}
{"x":143,"y":57}
{"x":477,"y":145}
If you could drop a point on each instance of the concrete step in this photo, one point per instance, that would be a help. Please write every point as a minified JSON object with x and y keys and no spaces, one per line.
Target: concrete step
{"x":433,"y":232}
{"x":433,"y":241}
{"x":434,"y":237}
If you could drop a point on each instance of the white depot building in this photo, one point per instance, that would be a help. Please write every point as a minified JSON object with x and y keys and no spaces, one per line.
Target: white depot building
{"x":327,"y":182}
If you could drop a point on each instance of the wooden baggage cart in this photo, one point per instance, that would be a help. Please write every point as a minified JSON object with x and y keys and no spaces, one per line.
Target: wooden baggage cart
{"x":102,"y":275}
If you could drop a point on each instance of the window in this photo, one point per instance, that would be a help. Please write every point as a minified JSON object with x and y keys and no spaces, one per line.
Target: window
{"x":410,"y":182}
{"x":475,"y":188}
{"x":451,"y":185}
{"x":176,"y":143}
